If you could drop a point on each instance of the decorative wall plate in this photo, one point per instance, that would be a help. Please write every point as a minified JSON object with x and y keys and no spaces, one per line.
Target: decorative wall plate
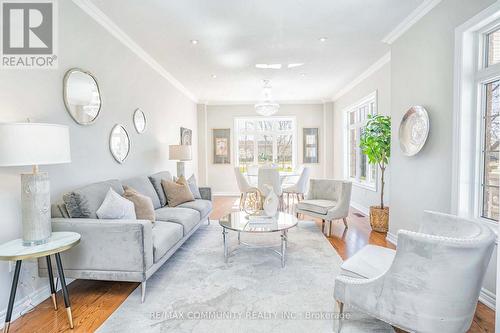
{"x":413,"y":130}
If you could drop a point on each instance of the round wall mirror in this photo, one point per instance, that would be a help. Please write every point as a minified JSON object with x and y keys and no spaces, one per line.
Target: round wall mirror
{"x":119,"y":143}
{"x":81,"y":95}
{"x":139,"y":121}
{"x":413,"y":130}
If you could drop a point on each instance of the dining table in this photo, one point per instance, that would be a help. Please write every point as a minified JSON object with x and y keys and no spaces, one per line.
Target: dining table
{"x":253,"y":177}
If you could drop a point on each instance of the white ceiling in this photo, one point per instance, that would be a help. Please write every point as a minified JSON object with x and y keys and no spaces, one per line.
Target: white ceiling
{"x":234,"y":35}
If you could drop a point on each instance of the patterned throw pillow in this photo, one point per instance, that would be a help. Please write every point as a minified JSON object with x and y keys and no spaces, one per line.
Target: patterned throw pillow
{"x":144,"y":209}
{"x":177,"y":192}
{"x":76,"y":205}
{"x":194,"y":187}
{"x":115,"y":206}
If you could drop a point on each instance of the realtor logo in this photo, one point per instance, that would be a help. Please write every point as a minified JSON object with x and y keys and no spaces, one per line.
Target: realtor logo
{"x":28,"y":34}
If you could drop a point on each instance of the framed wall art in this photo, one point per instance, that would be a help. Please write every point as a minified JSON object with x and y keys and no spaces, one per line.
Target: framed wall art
{"x":310,"y":145}
{"x":186,"y":136}
{"x":222,"y":145}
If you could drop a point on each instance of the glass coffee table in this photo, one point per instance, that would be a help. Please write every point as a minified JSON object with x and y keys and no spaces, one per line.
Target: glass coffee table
{"x":241,"y":222}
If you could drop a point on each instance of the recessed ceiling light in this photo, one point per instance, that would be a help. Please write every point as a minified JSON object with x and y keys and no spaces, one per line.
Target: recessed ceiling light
{"x":268,"y":66}
{"x":323,"y":39}
{"x":302,"y":74}
{"x":213,"y":76}
{"x":194,"y":41}
{"x":295,"y":65}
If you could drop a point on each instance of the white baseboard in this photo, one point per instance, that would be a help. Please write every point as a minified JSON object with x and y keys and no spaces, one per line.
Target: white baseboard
{"x":391,"y":238}
{"x":23,"y":305}
{"x":486,"y":297}
{"x":226,"y":194}
{"x":361,"y":208}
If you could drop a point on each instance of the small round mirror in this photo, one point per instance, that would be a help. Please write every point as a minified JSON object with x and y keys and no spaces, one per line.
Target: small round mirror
{"x":81,"y":96}
{"x":119,"y":143}
{"x":139,"y":121}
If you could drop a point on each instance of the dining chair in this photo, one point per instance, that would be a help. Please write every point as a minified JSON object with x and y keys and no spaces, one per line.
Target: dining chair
{"x":299,"y":189}
{"x":243,"y":185}
{"x":271,"y":177}
{"x":252,"y":174}
{"x":430,"y":283}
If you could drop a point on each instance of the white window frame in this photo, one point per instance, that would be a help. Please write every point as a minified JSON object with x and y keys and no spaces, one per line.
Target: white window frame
{"x":273,"y":133}
{"x":471,"y":74}
{"x":369,"y":184}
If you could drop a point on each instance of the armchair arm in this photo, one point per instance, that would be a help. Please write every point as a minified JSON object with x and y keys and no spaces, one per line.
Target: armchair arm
{"x":107,"y":245}
{"x":206,"y":193}
{"x":424,"y":290}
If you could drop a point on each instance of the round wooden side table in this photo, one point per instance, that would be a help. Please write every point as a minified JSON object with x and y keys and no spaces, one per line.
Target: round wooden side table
{"x":16,"y":251}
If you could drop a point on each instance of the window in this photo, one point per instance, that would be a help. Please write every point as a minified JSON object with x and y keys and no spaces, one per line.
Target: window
{"x":266,"y":141}
{"x":358,"y":169}
{"x":488,"y":81}
{"x":476,"y":132}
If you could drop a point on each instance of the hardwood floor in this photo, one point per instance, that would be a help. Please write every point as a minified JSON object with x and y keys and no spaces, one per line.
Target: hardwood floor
{"x":92,"y":302}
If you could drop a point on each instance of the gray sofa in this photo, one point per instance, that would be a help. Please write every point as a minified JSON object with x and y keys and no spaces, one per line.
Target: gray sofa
{"x":127,"y":250}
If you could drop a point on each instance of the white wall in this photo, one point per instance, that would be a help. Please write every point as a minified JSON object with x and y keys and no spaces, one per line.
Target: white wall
{"x":422,"y":73}
{"x":221,"y":176}
{"x":379,"y":81}
{"x":126,"y":82}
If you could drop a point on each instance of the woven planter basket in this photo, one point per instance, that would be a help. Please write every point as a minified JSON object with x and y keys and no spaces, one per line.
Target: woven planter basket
{"x":379,"y":218}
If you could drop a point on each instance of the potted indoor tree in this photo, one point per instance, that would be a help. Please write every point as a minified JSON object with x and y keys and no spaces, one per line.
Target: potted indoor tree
{"x":376,"y":145}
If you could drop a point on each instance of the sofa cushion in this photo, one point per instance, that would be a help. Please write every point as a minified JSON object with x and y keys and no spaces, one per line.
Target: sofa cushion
{"x":369,"y":262}
{"x":165,"y":236}
{"x":116,"y":207}
{"x":188,"y":218}
{"x":156,"y":181}
{"x":204,"y":207}
{"x":316,"y":206}
{"x":92,"y":196}
{"x":144,"y":186}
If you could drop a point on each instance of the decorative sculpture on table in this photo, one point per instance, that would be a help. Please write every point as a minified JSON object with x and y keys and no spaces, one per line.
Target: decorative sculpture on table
{"x":253,"y":203}
{"x":271,"y":202}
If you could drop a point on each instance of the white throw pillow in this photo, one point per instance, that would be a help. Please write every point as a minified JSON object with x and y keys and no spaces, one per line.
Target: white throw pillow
{"x":115,"y":206}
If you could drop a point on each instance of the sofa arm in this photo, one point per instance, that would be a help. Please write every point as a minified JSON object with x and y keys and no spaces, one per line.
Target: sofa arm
{"x":206,"y":193}
{"x":107,"y":245}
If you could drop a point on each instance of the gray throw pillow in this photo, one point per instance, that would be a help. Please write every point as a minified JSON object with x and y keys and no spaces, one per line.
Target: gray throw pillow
{"x":76,"y":205}
{"x":194,"y":187}
{"x":115,"y":206}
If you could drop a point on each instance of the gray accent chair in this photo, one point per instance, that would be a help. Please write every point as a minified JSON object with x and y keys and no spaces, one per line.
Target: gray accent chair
{"x":431,"y":283}
{"x":127,"y":250}
{"x":328,"y":200}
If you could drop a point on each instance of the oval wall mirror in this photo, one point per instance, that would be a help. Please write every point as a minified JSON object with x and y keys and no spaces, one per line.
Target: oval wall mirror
{"x":139,"y":121}
{"x":81,"y":95}
{"x":119,"y":143}
{"x":413,"y":130}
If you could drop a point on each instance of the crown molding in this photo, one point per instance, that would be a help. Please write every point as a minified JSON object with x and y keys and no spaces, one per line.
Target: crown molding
{"x":369,"y":71}
{"x":410,"y":20}
{"x":250,"y":102}
{"x":93,"y":11}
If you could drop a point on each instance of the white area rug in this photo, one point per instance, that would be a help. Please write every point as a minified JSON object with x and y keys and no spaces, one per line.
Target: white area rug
{"x":195,"y":291}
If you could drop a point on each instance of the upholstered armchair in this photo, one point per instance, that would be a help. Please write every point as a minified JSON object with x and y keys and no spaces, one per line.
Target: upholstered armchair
{"x":431,"y":283}
{"x":328,"y":200}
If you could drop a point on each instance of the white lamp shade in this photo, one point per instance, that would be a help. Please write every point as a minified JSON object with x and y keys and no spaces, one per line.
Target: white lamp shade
{"x":179,"y":152}
{"x":33,"y":144}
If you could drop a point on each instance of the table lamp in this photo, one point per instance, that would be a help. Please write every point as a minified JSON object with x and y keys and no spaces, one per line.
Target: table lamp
{"x":34,"y":144}
{"x":179,"y":153}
